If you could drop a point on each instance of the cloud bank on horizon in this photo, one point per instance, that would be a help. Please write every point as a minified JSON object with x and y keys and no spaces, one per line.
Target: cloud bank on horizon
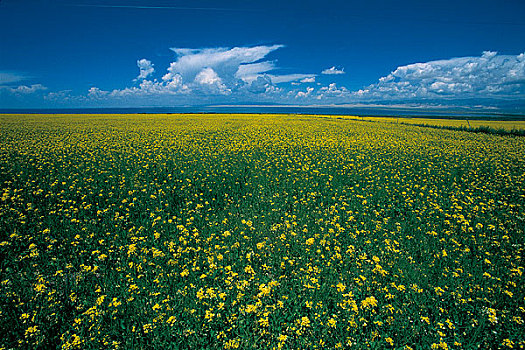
{"x":246,"y":75}
{"x":490,"y":75}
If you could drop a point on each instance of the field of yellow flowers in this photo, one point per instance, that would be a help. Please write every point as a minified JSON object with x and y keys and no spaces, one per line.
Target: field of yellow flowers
{"x":258,"y":232}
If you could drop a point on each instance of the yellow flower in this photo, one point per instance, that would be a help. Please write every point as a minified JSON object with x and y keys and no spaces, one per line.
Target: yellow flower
{"x":369,"y":301}
{"x":200,"y":294}
{"x":209,"y":315}
{"x":263,"y":321}
{"x":439,"y":290}
{"x":250,"y":308}
{"x":31,"y":330}
{"x":232,"y":344}
{"x":282,"y":338}
{"x":305,"y":321}
{"x":171,"y":320}
{"x":147,"y":328}
{"x":265,"y":290}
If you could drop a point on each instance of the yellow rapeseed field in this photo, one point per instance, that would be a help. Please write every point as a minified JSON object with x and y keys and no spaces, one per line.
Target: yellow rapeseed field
{"x":258,"y":232}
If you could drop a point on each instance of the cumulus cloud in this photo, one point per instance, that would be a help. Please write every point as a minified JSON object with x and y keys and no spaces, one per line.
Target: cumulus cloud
{"x":24,"y":89}
{"x":333,"y":90}
{"x":154,"y":88}
{"x":145,"y":67}
{"x":55,"y":96}
{"x":210,"y":79}
{"x":246,"y":74}
{"x":219,"y":71}
{"x":308,"y":80}
{"x":489,"y":75}
{"x":146,"y":88}
{"x":12,"y":92}
{"x":96,"y":93}
{"x":306,"y":93}
{"x":226,"y":62}
{"x":333,"y":70}
{"x":263,"y":84}
{"x":233,"y":65}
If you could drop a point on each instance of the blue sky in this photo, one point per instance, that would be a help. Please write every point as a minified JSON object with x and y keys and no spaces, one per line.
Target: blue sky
{"x":130,"y":53}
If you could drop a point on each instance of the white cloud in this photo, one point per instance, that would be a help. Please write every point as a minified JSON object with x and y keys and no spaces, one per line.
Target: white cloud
{"x":286,"y":78}
{"x":146,"y":88}
{"x":211,"y":80}
{"x":464,"y":77}
{"x":209,"y":77}
{"x":154,"y":88}
{"x":245,"y":74}
{"x":250,"y":72}
{"x":9,"y":90}
{"x":309,"y":90}
{"x":231,"y":64}
{"x":263,"y":84}
{"x":96,"y":93}
{"x":63,"y":95}
{"x":333,"y":70}
{"x":145,"y":67}
{"x":219,"y":71}
{"x":26,"y":90}
{"x":333,"y":89}
{"x":10,"y":77}
{"x":224,"y":61}
{"x":308,"y":80}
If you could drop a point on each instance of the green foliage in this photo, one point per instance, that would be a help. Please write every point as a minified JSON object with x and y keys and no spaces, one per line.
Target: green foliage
{"x":258,"y":232}
{"x":477,"y":129}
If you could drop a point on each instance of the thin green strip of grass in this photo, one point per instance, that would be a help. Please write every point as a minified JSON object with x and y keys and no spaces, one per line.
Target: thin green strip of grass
{"x":479,"y":129}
